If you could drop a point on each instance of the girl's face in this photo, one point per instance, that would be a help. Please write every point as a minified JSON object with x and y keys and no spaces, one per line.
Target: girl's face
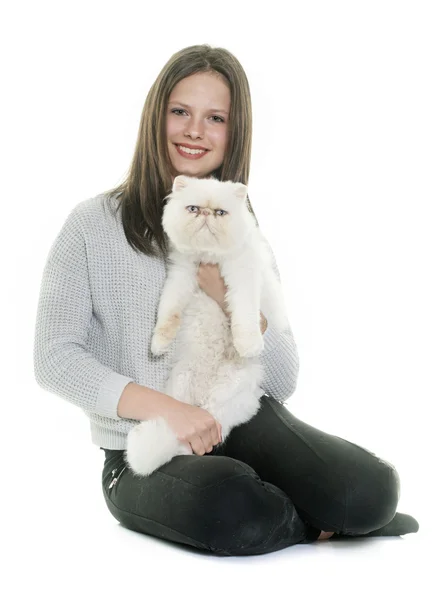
{"x":197,"y":117}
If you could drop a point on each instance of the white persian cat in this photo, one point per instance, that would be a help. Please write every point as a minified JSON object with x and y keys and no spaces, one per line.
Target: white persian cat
{"x":216,"y":364}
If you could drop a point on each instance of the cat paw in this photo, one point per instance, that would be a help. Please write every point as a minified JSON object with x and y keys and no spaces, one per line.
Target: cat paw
{"x":248,"y":344}
{"x":164,"y":333}
{"x":160,"y":344}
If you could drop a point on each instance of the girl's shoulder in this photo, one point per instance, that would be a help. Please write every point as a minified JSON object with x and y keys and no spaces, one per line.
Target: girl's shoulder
{"x":94,"y":212}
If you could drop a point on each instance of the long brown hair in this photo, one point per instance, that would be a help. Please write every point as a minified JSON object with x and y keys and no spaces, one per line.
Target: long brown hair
{"x":149,"y":180}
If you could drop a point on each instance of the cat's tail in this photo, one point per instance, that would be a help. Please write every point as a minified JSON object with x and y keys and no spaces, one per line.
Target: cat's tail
{"x":151,"y":444}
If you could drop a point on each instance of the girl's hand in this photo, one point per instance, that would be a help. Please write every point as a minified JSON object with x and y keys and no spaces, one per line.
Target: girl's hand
{"x":212,"y":283}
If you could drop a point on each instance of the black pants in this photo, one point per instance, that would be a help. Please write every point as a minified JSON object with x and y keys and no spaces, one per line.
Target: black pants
{"x":274,"y":482}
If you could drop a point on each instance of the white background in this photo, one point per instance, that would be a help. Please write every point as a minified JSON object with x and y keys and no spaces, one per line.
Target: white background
{"x":342,"y":185}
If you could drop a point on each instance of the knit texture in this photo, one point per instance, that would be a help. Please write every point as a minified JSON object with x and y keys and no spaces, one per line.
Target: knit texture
{"x":96,"y":313}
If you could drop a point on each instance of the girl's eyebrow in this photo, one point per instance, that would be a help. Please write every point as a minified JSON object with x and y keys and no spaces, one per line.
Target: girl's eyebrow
{"x":187,"y":106}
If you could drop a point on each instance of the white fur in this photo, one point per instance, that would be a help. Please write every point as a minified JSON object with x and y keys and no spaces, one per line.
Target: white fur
{"x":216,"y":365}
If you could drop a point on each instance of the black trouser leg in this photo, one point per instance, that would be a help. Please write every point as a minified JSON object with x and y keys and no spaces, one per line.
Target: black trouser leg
{"x":275,"y":482}
{"x":214,"y":503}
{"x":335,"y":485}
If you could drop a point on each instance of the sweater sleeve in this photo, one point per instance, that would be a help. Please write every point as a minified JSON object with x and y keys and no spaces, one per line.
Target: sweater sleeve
{"x":62,"y":365}
{"x":279,"y":358}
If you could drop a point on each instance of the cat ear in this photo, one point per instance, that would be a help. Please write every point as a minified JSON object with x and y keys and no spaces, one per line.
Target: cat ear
{"x":179,"y":183}
{"x":240,"y":191}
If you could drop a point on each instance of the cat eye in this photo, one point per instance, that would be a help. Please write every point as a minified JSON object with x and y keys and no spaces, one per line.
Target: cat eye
{"x":218,"y":211}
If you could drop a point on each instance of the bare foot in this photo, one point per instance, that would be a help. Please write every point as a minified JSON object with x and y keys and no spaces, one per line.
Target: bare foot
{"x":325,"y":535}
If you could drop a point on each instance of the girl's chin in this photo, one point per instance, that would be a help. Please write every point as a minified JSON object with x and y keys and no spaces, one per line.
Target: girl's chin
{"x":192,"y":171}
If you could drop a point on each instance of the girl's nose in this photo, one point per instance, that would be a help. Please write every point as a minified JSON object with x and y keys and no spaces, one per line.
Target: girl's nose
{"x":195,"y":128}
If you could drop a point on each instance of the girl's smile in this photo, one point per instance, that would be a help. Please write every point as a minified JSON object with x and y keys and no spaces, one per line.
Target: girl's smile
{"x":190,"y":152}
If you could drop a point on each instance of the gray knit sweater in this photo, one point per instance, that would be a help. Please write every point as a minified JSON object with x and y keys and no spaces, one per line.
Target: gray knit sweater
{"x":96,"y":313}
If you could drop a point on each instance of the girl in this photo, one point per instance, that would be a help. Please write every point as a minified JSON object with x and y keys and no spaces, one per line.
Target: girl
{"x":276,"y":481}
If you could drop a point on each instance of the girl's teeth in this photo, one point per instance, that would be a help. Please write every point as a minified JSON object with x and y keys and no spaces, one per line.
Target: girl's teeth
{"x":191,"y":150}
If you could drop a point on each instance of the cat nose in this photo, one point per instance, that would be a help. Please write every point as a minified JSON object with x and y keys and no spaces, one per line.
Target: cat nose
{"x":206,"y":211}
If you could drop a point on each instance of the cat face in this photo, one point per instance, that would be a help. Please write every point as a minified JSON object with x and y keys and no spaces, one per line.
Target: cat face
{"x":207,"y":215}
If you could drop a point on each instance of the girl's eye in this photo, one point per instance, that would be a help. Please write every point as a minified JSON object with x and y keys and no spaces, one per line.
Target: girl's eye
{"x":192,"y":207}
{"x":176,"y":110}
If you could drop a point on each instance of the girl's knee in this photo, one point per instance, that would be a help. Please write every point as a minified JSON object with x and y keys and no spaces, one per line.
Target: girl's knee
{"x":246,"y":513}
{"x":372,"y":499}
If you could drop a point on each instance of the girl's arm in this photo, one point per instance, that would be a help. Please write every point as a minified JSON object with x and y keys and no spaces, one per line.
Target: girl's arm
{"x":279,"y":358}
{"x":62,"y":365}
